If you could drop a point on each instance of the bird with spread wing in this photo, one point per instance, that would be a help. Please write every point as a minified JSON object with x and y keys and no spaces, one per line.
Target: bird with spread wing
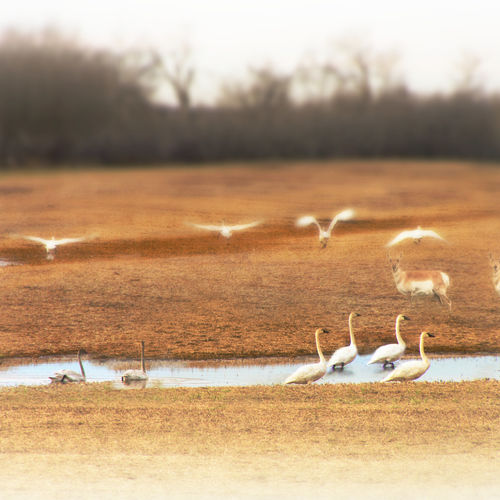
{"x":416,"y":235}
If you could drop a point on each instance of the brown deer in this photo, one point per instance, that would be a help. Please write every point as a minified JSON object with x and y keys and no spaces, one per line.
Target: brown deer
{"x":412,"y":283}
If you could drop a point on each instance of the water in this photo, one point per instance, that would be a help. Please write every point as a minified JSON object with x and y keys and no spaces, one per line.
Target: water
{"x":244,"y":372}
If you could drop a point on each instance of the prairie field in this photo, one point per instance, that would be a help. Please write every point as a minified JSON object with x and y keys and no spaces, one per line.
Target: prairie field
{"x":189,"y":294}
{"x":146,"y":274}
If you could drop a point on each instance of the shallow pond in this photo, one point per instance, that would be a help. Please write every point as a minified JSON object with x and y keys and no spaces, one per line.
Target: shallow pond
{"x":240,"y":372}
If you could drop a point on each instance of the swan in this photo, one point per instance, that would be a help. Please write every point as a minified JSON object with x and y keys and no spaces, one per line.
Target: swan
{"x":314,"y":371}
{"x":50,"y":245}
{"x":65,"y":376}
{"x":411,"y":369}
{"x":389,"y":353}
{"x":324,"y":235}
{"x":345,"y":355}
{"x":416,"y":235}
{"x":226,"y":230}
{"x":134,"y":375}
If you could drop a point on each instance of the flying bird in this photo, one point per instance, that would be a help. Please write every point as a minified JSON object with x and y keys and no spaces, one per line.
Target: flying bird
{"x":52,"y":244}
{"x":413,"y":369}
{"x":226,"y":230}
{"x":324,"y":235}
{"x":416,"y":235}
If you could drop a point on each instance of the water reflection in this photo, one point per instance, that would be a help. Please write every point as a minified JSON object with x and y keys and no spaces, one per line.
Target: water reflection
{"x":240,"y":372}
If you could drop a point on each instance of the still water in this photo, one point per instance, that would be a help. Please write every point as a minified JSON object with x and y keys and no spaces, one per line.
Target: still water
{"x":242,"y":372}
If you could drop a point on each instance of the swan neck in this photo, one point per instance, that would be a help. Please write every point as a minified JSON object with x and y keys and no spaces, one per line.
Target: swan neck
{"x":422,"y":352}
{"x":81,"y":365}
{"x":351,"y":333}
{"x":318,"y":348}
{"x":398,"y":334}
{"x":143,"y":364}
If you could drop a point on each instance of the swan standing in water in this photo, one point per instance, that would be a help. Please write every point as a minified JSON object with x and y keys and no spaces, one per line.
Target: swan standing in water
{"x":225,"y":230}
{"x":314,"y":371}
{"x":416,"y":235}
{"x":324,"y":235}
{"x":389,"y":353}
{"x":50,"y":245}
{"x":411,"y":369}
{"x":135,"y":375}
{"x":345,"y":355}
{"x":65,"y":376}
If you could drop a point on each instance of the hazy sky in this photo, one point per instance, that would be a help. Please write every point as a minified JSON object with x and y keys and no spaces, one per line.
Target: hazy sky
{"x":228,"y":36}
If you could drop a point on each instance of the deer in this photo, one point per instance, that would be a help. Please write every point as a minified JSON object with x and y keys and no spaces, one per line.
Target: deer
{"x":495,"y":265}
{"x":412,"y":283}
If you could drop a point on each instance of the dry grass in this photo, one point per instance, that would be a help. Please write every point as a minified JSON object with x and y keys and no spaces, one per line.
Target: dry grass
{"x":192,"y":295}
{"x":318,"y":421}
{"x":148,"y":275}
{"x":438,"y":440}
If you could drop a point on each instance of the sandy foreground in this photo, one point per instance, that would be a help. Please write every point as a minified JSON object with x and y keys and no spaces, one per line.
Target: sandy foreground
{"x":130,"y":476}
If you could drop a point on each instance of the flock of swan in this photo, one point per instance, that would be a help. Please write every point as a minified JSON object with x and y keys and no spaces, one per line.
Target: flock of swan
{"x":385,"y":355}
{"x":129,"y":377}
{"x":409,"y":283}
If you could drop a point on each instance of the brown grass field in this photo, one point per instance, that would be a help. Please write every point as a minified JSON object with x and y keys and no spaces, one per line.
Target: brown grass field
{"x":148,"y":275}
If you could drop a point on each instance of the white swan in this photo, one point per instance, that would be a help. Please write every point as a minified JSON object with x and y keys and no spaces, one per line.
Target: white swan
{"x":65,"y":376}
{"x":226,"y":230}
{"x":416,"y":235}
{"x":50,"y":245}
{"x":324,"y":235}
{"x":345,"y":355}
{"x":309,"y":373}
{"x":389,"y":353}
{"x":134,"y":375}
{"x":411,"y":369}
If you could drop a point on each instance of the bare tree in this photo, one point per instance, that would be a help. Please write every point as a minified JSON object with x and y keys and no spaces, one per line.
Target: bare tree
{"x":266,"y":89}
{"x":179,"y":72}
{"x":467,"y":78}
{"x":351,"y":69}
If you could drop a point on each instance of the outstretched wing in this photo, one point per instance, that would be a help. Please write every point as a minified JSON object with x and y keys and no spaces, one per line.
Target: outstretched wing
{"x":238,"y":227}
{"x":342,"y":216}
{"x":432,"y":234}
{"x":63,"y":241}
{"x":208,"y":227}
{"x":306,"y":220}
{"x":37,"y":239}
{"x":400,"y":237}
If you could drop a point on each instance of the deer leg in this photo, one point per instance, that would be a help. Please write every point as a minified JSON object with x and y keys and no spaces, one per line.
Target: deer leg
{"x":443,"y":298}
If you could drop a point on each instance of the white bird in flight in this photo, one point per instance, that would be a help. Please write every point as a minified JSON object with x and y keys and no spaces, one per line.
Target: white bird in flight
{"x":50,"y":245}
{"x":324,"y":235}
{"x":416,"y":235}
{"x":226,"y":230}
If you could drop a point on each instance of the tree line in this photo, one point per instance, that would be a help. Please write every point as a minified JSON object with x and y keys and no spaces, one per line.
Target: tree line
{"x":61,"y":103}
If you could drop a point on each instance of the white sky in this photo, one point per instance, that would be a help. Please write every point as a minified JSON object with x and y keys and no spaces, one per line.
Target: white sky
{"x":228,"y":36}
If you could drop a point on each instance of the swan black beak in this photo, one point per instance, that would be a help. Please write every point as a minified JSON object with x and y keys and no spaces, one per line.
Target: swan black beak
{"x":406,"y":318}
{"x":430,"y":334}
